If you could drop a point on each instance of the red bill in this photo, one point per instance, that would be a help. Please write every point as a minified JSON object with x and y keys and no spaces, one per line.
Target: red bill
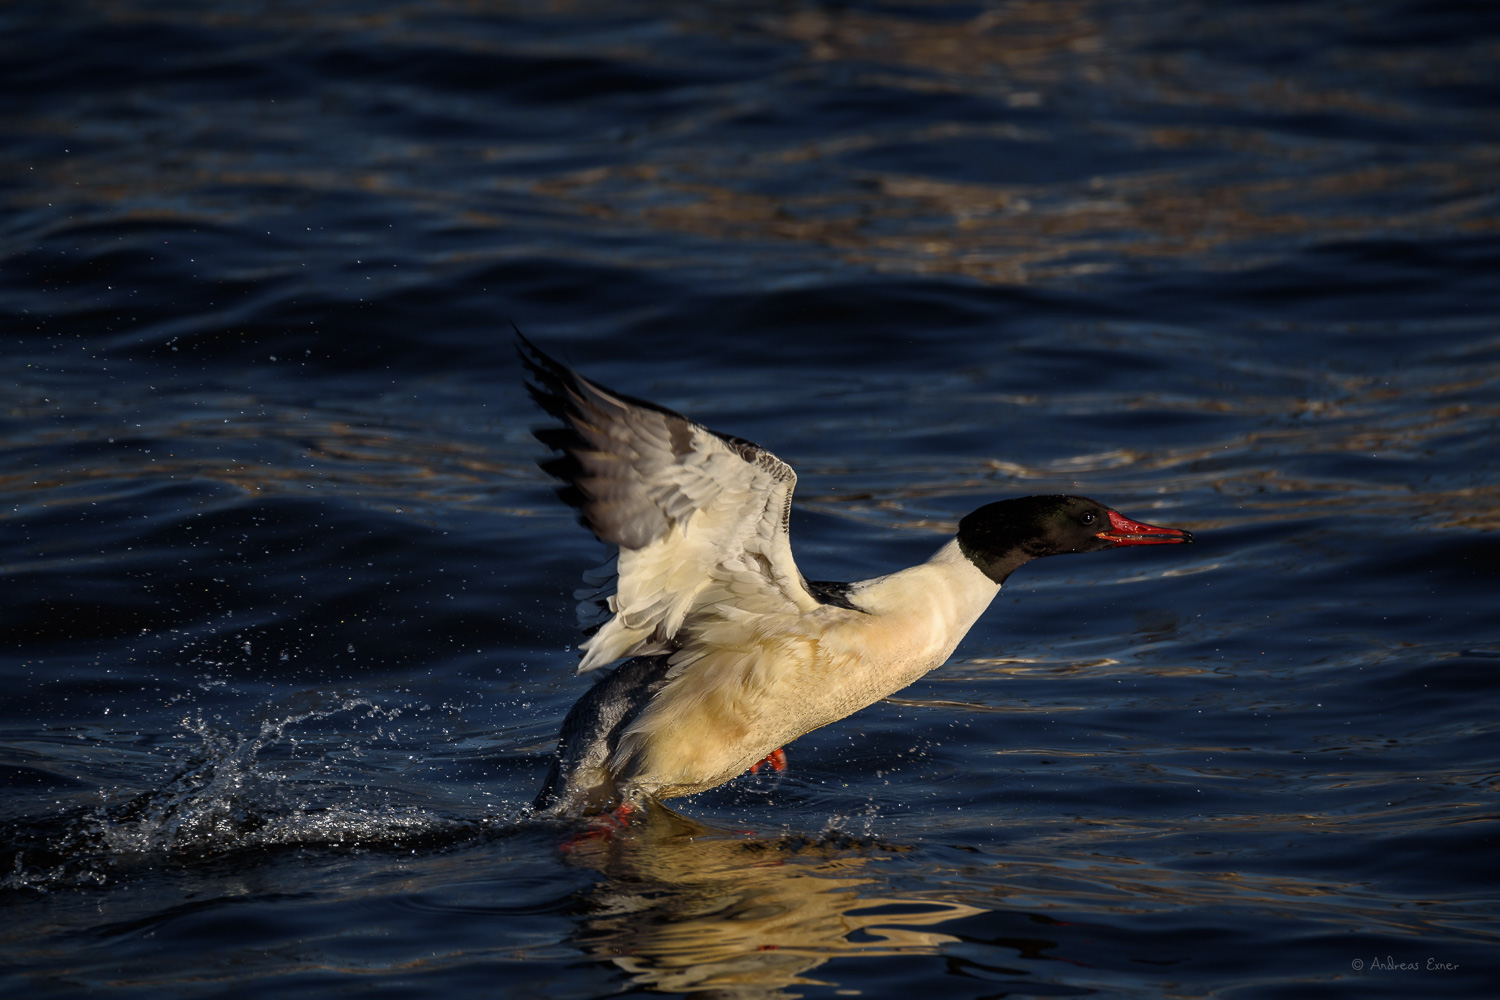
{"x":1124,"y":531}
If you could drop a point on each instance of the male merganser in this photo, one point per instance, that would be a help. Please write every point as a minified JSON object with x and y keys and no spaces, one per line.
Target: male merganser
{"x":731,"y":652}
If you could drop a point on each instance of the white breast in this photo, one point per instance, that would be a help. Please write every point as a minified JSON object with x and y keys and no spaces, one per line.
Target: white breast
{"x":924,"y":611}
{"x":748,"y":683}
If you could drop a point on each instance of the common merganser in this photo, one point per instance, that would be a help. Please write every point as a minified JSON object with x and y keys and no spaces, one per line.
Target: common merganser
{"x":730,"y":653}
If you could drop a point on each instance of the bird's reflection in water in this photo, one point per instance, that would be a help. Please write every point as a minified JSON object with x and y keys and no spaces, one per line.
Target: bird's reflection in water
{"x":690,"y":909}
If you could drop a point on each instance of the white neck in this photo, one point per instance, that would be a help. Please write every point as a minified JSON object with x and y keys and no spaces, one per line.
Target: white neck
{"x":934,"y":603}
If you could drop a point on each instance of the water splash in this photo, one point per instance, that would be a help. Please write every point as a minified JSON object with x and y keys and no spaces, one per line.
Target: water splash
{"x":224,"y":797}
{"x":229,"y":797}
{"x":859,"y":823}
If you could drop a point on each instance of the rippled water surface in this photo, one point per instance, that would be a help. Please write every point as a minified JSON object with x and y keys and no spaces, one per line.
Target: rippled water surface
{"x":286,"y":628}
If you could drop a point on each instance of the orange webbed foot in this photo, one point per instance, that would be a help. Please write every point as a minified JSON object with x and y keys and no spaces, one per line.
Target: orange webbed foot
{"x":603,"y":826}
{"x":776,"y":758}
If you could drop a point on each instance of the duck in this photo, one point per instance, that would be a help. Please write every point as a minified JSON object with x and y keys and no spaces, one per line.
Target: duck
{"x":713,"y":650}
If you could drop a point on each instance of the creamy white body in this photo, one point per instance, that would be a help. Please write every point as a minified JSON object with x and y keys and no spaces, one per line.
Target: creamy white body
{"x":746,"y":682}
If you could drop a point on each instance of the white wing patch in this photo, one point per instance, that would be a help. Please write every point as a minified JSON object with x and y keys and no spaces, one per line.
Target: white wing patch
{"x":700,"y":519}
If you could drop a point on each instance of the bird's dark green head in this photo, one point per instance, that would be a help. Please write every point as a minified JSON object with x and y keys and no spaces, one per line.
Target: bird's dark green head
{"x":1001,"y":536}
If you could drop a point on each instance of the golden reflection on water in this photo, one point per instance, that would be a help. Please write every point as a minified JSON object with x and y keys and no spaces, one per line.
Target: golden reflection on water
{"x":1208,"y":190}
{"x":1030,"y":55}
{"x":682,"y":173}
{"x":269,"y":450}
{"x":684,"y":907}
{"x":298,"y":451}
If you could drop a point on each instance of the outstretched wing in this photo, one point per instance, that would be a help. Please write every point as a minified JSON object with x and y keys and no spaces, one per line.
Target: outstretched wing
{"x":700,"y":518}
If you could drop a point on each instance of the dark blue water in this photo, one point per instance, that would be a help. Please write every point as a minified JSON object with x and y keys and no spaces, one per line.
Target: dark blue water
{"x":286,"y":615}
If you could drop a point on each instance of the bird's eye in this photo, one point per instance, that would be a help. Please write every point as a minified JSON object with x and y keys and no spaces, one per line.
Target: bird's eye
{"x":1087,"y":518}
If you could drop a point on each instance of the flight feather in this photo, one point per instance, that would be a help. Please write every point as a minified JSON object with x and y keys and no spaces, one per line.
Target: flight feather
{"x":699,"y":517}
